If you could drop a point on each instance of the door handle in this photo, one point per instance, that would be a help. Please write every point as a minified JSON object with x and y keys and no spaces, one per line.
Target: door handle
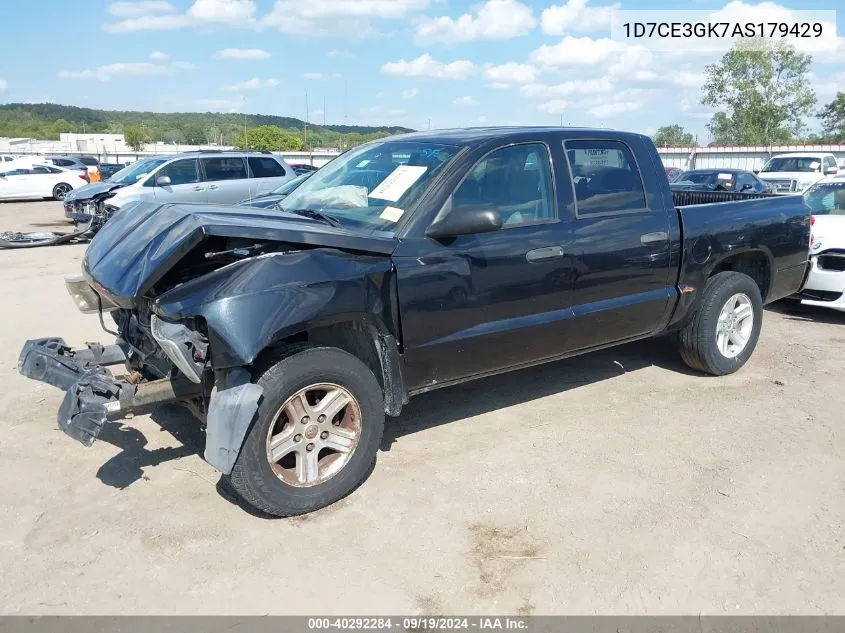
{"x":199,"y":188}
{"x":654,"y":238}
{"x":213,"y":187}
{"x":542,"y":254}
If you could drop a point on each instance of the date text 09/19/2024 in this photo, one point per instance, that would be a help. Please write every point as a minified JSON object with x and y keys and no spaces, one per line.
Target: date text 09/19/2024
{"x":413,"y":623}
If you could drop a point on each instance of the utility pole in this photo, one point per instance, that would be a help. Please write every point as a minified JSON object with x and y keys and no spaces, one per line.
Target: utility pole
{"x":305,"y":143}
{"x":246,"y":137}
{"x":429,"y":123}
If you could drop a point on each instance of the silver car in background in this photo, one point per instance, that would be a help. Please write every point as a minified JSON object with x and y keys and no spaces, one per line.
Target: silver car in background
{"x":205,"y":176}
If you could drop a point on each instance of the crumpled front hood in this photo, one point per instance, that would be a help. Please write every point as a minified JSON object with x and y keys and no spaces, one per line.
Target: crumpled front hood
{"x":144,"y":240}
{"x":88,"y":192}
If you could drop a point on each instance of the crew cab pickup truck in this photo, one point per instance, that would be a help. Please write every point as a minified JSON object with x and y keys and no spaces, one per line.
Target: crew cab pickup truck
{"x":408,"y":264}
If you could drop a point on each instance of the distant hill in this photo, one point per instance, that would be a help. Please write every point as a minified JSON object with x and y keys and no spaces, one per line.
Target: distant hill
{"x":48,"y":120}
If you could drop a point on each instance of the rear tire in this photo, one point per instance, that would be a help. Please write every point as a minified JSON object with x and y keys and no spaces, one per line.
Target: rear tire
{"x":288,"y":485}
{"x":722,"y":334}
{"x":61,"y":190}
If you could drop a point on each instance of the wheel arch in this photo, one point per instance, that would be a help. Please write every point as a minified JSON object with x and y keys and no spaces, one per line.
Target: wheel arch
{"x":754,"y":262}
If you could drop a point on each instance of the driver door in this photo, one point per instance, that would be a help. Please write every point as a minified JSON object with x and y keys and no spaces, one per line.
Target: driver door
{"x":185,"y":185}
{"x":474,"y":304}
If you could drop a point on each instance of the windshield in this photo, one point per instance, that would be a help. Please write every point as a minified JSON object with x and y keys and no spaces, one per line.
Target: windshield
{"x":371,"y":186}
{"x":290,"y":185}
{"x":135,"y":171}
{"x":808,"y":164}
{"x":826,"y":198}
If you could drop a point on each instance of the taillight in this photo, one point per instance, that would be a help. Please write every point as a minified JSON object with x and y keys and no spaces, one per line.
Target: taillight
{"x":83,"y":176}
{"x":812,"y":220}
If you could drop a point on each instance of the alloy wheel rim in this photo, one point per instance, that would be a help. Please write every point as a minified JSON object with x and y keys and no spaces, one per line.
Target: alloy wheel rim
{"x":735,"y":324}
{"x":61,"y":191}
{"x":314,"y":434}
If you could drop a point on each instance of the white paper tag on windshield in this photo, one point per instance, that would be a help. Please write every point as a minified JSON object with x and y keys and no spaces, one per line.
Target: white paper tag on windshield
{"x":815,"y":165}
{"x":398,"y":182}
{"x":725,"y":176}
{"x":391,"y":214}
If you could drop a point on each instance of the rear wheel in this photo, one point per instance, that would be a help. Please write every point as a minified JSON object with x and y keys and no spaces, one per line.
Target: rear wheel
{"x":722,"y":335}
{"x":317,"y":432}
{"x":61,"y":190}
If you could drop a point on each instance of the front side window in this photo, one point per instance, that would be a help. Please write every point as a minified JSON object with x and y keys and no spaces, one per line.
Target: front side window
{"x":605,"y":177}
{"x":264,"y":167}
{"x":180,"y":172}
{"x":224,"y":168}
{"x":516,"y":181}
{"x":136,"y":171}
{"x":826,"y":198}
{"x":370,"y":187}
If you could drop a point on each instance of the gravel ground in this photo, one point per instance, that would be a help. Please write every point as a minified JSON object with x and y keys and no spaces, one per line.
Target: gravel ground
{"x":616,"y":483}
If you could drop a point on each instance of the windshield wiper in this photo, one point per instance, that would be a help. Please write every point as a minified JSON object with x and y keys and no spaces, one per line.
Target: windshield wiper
{"x":316,"y":215}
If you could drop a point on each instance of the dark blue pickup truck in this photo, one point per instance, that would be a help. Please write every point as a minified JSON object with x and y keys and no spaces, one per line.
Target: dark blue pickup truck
{"x":408,"y":264}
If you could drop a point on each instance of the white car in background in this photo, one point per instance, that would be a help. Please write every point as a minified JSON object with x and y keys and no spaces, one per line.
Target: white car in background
{"x":826,"y":280}
{"x":33,"y":181}
{"x":793,"y":173}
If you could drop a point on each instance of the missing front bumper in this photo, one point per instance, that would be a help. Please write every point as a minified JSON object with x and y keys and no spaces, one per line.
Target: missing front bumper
{"x":93,"y":395}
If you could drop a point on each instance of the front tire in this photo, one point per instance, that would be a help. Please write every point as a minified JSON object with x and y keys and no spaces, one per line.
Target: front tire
{"x":316,"y":435}
{"x":723,"y":333}
{"x":61,"y":190}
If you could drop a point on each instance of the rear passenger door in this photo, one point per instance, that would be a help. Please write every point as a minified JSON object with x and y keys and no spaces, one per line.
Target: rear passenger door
{"x":622,"y":282}
{"x":225,"y":179}
{"x":265,"y":174}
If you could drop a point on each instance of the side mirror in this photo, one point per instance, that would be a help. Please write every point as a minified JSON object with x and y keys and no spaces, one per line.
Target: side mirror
{"x":163,"y":181}
{"x":465,"y":220}
{"x":746,"y":187}
{"x":831,"y":171}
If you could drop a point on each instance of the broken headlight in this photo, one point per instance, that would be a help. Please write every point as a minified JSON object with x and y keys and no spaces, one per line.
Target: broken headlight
{"x":186,"y":348}
{"x":86,"y":298}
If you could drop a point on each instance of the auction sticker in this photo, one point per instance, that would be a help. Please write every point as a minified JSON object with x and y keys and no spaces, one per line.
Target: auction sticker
{"x":391,"y":214}
{"x":398,"y":182}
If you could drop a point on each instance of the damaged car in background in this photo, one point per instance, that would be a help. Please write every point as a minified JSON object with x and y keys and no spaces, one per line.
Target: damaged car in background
{"x":405,"y":265}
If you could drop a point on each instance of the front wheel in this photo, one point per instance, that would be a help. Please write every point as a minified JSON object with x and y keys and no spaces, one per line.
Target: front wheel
{"x":722,"y":335}
{"x":317,"y":432}
{"x":61,"y":190}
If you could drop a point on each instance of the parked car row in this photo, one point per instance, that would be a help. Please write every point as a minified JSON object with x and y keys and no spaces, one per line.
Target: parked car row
{"x":34,"y":181}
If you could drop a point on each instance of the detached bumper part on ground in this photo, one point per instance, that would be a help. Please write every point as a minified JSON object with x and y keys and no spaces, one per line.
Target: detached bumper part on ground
{"x":93,"y":395}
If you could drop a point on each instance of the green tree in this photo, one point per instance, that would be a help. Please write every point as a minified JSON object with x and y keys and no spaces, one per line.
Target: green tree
{"x":763,"y":92}
{"x":269,"y":137}
{"x":673,"y":136}
{"x":833,"y":119}
{"x":174,"y":136}
{"x":134,"y":136}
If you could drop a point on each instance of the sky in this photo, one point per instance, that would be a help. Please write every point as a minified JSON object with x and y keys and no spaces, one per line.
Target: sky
{"x":415,"y":63}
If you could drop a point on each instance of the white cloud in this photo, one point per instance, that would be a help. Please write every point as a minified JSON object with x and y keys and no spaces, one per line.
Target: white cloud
{"x":222,"y":11}
{"x":576,"y":16}
{"x":465,"y":101}
{"x":200,"y":13}
{"x":410,"y":93}
{"x":342,"y":18}
{"x":493,"y":20}
{"x":612,"y":108}
{"x":510,"y":73}
{"x":497,"y":85}
{"x":122,"y":70}
{"x":426,"y":66}
{"x":576,"y":51}
{"x":599,"y":85}
{"x":555,"y":106}
{"x":481,"y":120}
{"x":251,"y":84}
{"x":242,"y":53}
{"x":338,"y":53}
{"x":3,"y":85}
{"x":159,"y":56}
{"x":135,"y":9}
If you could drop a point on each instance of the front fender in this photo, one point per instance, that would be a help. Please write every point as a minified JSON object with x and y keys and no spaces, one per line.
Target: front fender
{"x":251,"y":304}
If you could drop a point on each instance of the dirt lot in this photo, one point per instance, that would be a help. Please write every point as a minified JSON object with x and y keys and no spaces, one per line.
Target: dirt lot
{"x":615,"y":483}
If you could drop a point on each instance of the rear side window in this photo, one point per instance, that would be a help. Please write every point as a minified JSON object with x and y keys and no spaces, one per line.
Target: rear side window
{"x":181,"y":172}
{"x":264,"y":167}
{"x":224,"y":168}
{"x":62,"y":162}
{"x":43,"y":169}
{"x":605,"y":178}
{"x":88,"y":160}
